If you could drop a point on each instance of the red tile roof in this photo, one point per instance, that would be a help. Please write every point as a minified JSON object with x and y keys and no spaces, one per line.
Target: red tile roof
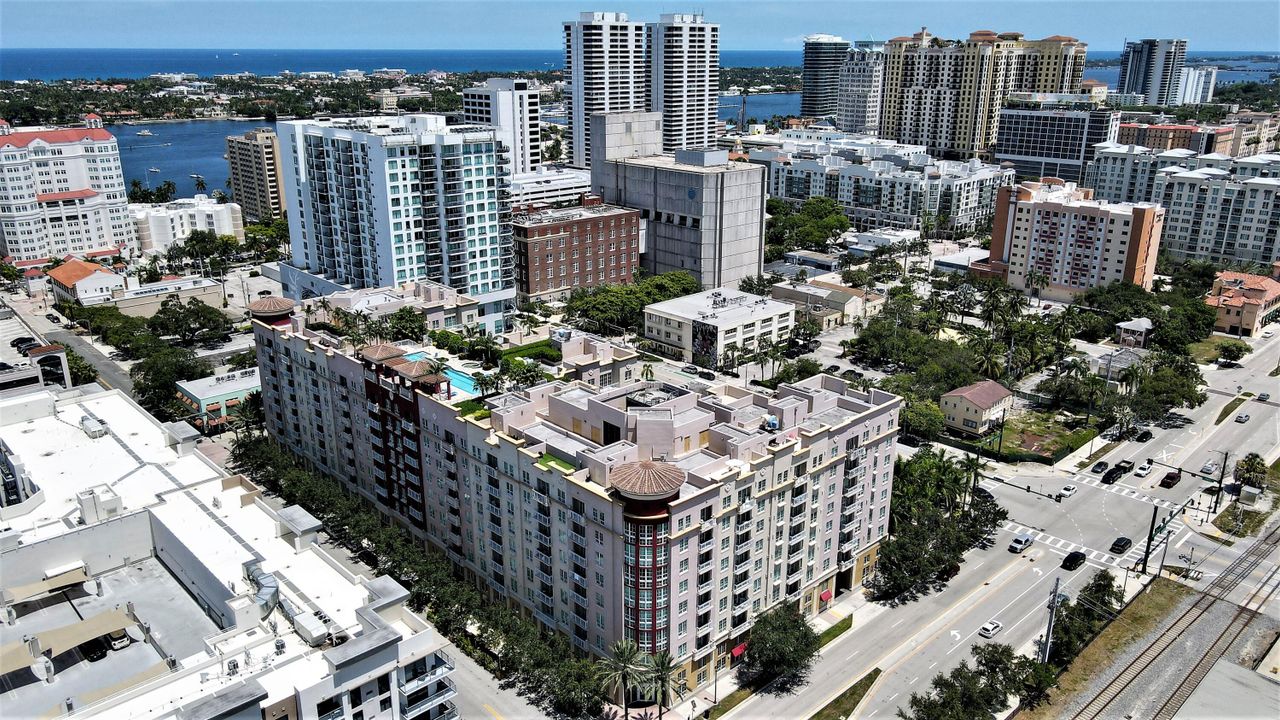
{"x":984,"y":394}
{"x":45,"y":350}
{"x":1252,"y":290}
{"x":68,"y":195}
{"x":73,"y":271}
{"x":103,"y":253}
{"x":55,"y":137}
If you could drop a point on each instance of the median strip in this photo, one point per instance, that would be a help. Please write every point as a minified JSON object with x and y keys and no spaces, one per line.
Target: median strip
{"x":1230,"y":408}
{"x":847,"y":702}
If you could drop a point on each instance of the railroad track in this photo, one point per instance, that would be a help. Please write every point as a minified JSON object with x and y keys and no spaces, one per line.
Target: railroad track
{"x":1229,"y":580}
{"x":1244,"y":615}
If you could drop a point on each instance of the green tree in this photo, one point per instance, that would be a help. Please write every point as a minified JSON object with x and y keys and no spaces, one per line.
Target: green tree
{"x":1232,"y":350}
{"x":406,"y":324}
{"x":664,"y":679}
{"x":82,"y":373}
{"x":155,"y":380}
{"x":622,"y":669}
{"x":922,"y":418}
{"x":783,"y":645}
{"x":189,"y":322}
{"x":243,"y":360}
{"x":1251,"y":470}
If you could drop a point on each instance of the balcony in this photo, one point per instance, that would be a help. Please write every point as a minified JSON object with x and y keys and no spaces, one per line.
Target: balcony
{"x":411,"y":709}
{"x":334,"y":714}
{"x":443,"y":666}
{"x":706,"y":545}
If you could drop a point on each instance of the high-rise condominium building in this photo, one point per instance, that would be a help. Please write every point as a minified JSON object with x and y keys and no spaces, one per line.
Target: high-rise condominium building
{"x":254,"y":160}
{"x":385,"y":200}
{"x":613,"y":64}
{"x":511,"y":105}
{"x":62,"y":192}
{"x":628,"y":509}
{"x":1053,"y":239}
{"x":684,"y":79}
{"x":824,"y":56}
{"x":1052,"y":137}
{"x":1220,"y":208}
{"x":947,"y":94}
{"x":606,"y":70}
{"x":703,"y":214}
{"x":1196,"y":85}
{"x":1152,"y":68}
{"x":861,"y":84}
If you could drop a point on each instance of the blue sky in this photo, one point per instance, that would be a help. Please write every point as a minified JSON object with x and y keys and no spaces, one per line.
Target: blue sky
{"x":535,"y":24}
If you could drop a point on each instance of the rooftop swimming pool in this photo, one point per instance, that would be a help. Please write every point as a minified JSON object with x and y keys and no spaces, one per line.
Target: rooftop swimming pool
{"x":461,"y":381}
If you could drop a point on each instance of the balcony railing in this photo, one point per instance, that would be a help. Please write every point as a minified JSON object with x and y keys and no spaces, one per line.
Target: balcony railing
{"x":444,"y":666}
{"x":413,"y":710}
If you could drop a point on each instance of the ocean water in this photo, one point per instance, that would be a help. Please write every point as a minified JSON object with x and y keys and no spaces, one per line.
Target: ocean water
{"x":178,"y":150}
{"x":56,"y":64}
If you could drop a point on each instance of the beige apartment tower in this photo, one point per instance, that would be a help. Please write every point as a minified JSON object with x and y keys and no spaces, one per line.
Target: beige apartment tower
{"x":254,"y":159}
{"x":947,"y":94}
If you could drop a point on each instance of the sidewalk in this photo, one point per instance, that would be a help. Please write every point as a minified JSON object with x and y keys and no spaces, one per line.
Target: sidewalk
{"x":852,"y":603}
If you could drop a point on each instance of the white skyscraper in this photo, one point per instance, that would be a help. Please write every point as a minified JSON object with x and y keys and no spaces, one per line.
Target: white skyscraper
{"x":1196,"y":85}
{"x":510,"y":104}
{"x":1152,"y":68}
{"x":861,"y":83}
{"x":605,"y":70}
{"x":385,"y":200}
{"x":62,"y":192}
{"x":684,"y":84}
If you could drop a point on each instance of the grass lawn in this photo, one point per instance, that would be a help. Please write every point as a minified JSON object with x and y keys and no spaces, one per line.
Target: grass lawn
{"x":1205,"y":351}
{"x":844,"y":705}
{"x":835,"y":631}
{"x":552,"y":461}
{"x":1147,"y":610}
{"x":731,"y":701}
{"x":1040,"y":433}
{"x":1097,"y":454}
{"x":1229,"y":409}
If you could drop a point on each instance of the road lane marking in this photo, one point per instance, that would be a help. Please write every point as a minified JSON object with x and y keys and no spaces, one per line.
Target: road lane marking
{"x":913,"y":680}
{"x":897,"y":623}
{"x":496,"y":715}
{"x":854,"y":655}
{"x":935,"y":662}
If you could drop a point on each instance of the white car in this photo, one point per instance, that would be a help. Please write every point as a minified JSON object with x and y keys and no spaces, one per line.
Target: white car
{"x":991,"y":629}
{"x":1068,"y":491}
{"x":1143,"y":470}
{"x":1210,"y":467}
{"x":1268,"y":334}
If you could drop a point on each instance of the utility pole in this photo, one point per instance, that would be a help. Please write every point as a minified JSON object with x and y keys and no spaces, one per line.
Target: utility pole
{"x":1150,"y":534}
{"x":1053,"y":611}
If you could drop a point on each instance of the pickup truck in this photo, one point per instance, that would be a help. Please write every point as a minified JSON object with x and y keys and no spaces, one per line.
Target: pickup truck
{"x":1124,"y":466}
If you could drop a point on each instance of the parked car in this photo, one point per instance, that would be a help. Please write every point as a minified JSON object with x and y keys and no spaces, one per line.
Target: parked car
{"x":1112,"y":476}
{"x":53,"y":318}
{"x":1242,"y":418}
{"x":1020,"y":543}
{"x":1264,"y":397}
{"x":1143,"y":470}
{"x":1073,"y":560}
{"x":5,"y":366}
{"x":1121,"y":546}
{"x":20,"y":340}
{"x":706,"y":375}
{"x":1268,"y":334}
{"x":25,"y":348}
{"x":69,"y":326}
{"x":1100,"y":466}
{"x":832,"y":369}
{"x":1143,"y":436}
{"x":1170,"y":479}
{"x":94,"y":650}
{"x":1209,"y":467}
{"x":991,"y":629}
{"x":691,"y":369}
{"x":1068,"y":491}
{"x":1124,"y":466}
{"x":118,"y":639}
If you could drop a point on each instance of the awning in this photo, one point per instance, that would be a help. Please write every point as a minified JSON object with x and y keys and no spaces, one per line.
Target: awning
{"x":22,"y":593}
{"x":213,"y":406}
{"x":17,"y":655}
{"x":737,"y":651}
{"x":233,"y":402}
{"x":825,"y":596}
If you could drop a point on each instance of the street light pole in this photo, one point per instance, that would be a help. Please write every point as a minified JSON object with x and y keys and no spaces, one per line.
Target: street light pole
{"x":1222,"y":473}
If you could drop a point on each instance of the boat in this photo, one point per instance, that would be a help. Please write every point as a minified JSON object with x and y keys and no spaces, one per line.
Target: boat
{"x":154,"y":170}
{"x":196,"y":176}
{"x":144,"y":133}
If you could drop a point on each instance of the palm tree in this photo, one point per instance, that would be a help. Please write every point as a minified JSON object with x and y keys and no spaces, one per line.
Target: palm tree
{"x":1037,"y":281}
{"x":621,"y":669}
{"x":325,"y":307}
{"x":731,"y":358}
{"x":1251,"y":470}
{"x":486,"y":383}
{"x":973,"y":465}
{"x":646,"y":372}
{"x":248,"y":416}
{"x":664,"y":679}
{"x":200,"y":184}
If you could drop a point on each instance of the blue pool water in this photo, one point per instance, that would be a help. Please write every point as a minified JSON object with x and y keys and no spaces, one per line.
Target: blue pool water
{"x":460,"y":381}
{"x":416,"y":356}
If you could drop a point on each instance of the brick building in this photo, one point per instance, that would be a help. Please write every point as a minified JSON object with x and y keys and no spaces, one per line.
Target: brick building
{"x":559,"y":249}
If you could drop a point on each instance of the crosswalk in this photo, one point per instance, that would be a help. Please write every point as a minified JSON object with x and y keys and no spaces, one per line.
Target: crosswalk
{"x":1123,"y":490}
{"x":1062,"y":546}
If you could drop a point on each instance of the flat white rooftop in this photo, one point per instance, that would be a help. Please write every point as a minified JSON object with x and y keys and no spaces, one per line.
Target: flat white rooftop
{"x":234,"y":382}
{"x":722,"y":307}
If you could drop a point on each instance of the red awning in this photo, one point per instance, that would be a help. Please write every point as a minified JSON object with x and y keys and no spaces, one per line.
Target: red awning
{"x":740,"y":649}
{"x":825,"y":596}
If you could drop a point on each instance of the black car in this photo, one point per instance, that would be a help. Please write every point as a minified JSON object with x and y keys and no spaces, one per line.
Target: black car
{"x":1144,"y":436}
{"x":53,"y":318}
{"x":706,"y":375}
{"x":25,"y":348}
{"x":94,"y":650}
{"x":1121,"y":546}
{"x":1100,"y":466}
{"x":1112,"y":475}
{"x":20,"y":340}
{"x":5,"y":366}
{"x":1073,"y":560}
{"x":832,"y":369}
